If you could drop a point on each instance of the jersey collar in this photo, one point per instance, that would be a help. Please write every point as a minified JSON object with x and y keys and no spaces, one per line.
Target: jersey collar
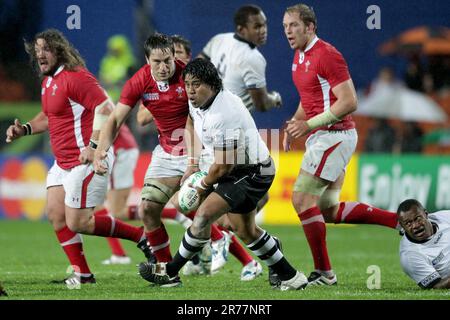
{"x":239,"y":38}
{"x":209,"y":102}
{"x":58,"y":71}
{"x":312,"y":43}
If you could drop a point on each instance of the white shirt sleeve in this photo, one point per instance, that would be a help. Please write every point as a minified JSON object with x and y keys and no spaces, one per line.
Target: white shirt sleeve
{"x":253,"y":71}
{"x":419,"y":268}
{"x":207,"y":50}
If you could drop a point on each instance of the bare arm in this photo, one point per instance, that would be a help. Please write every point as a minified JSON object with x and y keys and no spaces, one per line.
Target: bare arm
{"x":223,"y":164}
{"x":263,"y":100}
{"x":102,"y":111}
{"x":194,"y":149}
{"x":345,"y":104}
{"x":38,"y":124}
{"x":143,"y":116}
{"x":287,"y":138}
{"x":108,"y":133}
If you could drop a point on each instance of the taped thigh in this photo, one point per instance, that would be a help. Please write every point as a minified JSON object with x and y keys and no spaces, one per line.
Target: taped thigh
{"x":306,"y":183}
{"x":156,"y":191}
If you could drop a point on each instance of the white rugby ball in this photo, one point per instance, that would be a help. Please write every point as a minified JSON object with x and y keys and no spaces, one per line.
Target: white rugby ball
{"x":188,"y":197}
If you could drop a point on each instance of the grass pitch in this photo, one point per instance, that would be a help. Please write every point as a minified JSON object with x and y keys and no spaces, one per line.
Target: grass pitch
{"x":30,"y":258}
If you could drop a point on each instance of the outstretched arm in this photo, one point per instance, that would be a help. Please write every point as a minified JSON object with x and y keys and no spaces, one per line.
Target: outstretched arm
{"x":38,"y":124}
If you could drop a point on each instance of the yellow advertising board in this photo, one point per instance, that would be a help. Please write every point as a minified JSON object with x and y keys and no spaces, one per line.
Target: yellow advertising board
{"x":279,"y":209}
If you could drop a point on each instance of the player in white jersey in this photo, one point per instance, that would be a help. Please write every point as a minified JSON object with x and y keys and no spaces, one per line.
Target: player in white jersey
{"x":240,"y":64}
{"x":425,"y":247}
{"x":242,"y":173}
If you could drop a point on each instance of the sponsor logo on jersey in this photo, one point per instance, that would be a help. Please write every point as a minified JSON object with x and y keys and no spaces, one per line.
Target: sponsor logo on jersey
{"x":151,"y":96}
{"x":428,"y":280}
{"x":438,"y":258}
{"x":294,"y":67}
{"x":439,"y":236}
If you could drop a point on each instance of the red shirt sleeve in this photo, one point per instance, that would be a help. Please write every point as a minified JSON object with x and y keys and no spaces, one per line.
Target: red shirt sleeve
{"x":333,"y":67}
{"x":85,"y":89}
{"x":133,"y":89}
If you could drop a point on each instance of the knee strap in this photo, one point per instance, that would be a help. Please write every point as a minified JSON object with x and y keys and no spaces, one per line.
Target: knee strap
{"x":155,"y":191}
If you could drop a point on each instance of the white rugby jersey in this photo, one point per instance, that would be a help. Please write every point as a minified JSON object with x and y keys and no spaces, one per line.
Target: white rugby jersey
{"x":428,"y":262}
{"x":226,"y":123}
{"x":240,"y":64}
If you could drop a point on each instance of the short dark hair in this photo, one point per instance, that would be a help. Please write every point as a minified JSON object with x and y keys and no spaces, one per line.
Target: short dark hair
{"x":64,"y":51}
{"x":205,"y":71}
{"x":242,"y":14}
{"x":408,"y":204}
{"x":305,"y":13}
{"x":182,"y":41}
{"x":158,"y":41}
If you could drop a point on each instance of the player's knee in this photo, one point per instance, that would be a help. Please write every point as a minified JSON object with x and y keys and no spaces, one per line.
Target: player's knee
{"x":307,"y":189}
{"x":157,"y":192}
{"x":202,"y":222}
{"x":328,"y":204}
{"x":56,"y":217}
{"x":75,"y":225}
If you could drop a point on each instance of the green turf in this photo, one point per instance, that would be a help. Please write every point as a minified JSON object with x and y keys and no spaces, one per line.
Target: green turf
{"x":30,"y":257}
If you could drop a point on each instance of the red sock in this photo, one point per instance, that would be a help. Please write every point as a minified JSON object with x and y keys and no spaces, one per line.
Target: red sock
{"x":133,"y":213}
{"x":73,"y":247}
{"x":316,"y":234}
{"x":360,"y":213}
{"x":169,"y":213}
{"x":160,"y":243}
{"x":101,"y":212}
{"x":237,"y":249}
{"x":216,"y":234}
{"x":106,"y":226}
{"x":116,"y":247}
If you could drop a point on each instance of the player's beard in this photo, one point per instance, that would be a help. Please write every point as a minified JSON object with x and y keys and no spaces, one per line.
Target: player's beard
{"x":50,"y":71}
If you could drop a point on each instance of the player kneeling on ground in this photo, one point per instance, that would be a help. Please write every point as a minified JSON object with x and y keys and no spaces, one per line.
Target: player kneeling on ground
{"x":243,"y":171}
{"x":425,"y":247}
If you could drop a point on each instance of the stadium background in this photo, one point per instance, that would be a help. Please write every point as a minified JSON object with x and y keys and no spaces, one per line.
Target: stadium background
{"x":382,"y":180}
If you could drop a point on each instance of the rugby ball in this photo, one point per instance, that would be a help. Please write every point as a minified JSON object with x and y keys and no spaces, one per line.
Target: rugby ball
{"x":188,"y":197}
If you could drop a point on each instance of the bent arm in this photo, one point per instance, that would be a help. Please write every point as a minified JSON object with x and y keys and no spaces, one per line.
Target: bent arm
{"x":263,"y":100}
{"x":110,"y":129}
{"x":39,"y":123}
{"x":143,"y":116}
{"x":345,"y":104}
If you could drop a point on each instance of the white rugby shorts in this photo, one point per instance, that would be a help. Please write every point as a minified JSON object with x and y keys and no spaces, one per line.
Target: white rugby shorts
{"x":122,"y":175}
{"x":328,"y":153}
{"x":83,"y":188}
{"x":165,"y":165}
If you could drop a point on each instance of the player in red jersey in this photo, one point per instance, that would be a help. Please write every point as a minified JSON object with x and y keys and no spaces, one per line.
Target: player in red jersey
{"x":121,"y":181}
{"x":74,"y":107}
{"x":160,"y":87}
{"x":328,"y":97}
